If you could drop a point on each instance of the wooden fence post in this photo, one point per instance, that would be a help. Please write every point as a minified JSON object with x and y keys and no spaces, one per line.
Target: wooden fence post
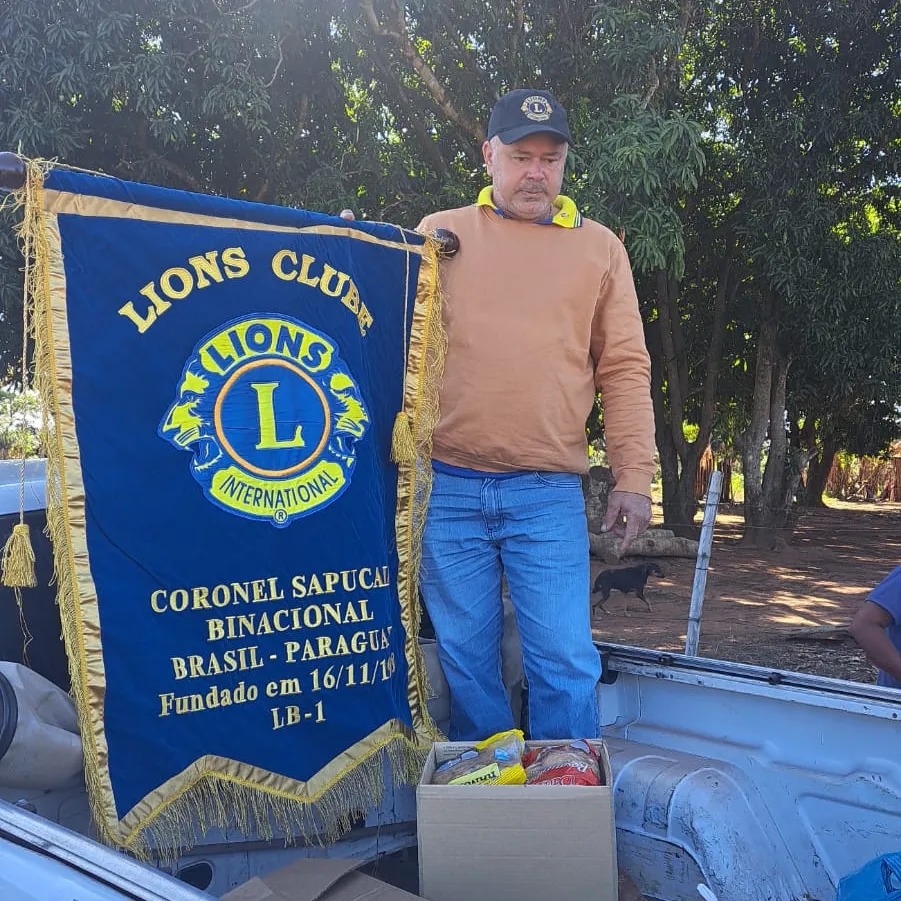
{"x":693,"y":636}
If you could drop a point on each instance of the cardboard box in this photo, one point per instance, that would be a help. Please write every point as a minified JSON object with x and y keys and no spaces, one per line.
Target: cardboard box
{"x":515,"y":842}
{"x":317,"y":879}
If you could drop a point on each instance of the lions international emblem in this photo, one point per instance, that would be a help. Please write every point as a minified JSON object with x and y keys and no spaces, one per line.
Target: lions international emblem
{"x":271,"y":415}
{"x":537,"y":108}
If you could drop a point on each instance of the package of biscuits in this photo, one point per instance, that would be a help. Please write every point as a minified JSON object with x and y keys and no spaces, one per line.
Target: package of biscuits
{"x":495,"y":761}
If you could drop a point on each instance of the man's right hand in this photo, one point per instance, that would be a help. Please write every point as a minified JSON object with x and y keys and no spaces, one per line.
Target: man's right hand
{"x":348,"y":215}
{"x":628,"y":515}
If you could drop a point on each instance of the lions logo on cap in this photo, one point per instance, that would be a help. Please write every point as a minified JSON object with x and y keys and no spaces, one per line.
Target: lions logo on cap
{"x":271,"y":415}
{"x":537,"y":108}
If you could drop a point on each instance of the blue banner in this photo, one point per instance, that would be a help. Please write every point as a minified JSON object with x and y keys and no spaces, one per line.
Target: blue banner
{"x":235,"y":548}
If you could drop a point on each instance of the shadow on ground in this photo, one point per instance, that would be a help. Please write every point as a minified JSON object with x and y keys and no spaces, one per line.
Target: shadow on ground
{"x":756,"y":602}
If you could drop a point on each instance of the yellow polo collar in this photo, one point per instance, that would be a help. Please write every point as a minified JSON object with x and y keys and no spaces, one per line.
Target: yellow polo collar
{"x":567,"y":215}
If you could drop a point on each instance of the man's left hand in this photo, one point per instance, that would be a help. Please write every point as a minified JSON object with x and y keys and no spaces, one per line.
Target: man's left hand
{"x":628,"y":515}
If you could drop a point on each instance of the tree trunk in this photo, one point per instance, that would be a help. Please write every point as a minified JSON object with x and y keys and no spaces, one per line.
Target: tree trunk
{"x":670,"y":388}
{"x":753,"y":438}
{"x":676,"y":453}
{"x":725,"y":467}
{"x":596,"y":488}
{"x":818,"y":475}
{"x":680,"y":504}
{"x":669,"y":472}
{"x":771,"y":514}
{"x":820,"y":454}
{"x":774,"y":474}
{"x":669,"y":456}
{"x":768,"y":492}
{"x":684,"y":503}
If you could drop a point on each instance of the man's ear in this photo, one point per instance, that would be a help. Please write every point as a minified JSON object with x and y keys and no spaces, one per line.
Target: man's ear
{"x":488,"y":154}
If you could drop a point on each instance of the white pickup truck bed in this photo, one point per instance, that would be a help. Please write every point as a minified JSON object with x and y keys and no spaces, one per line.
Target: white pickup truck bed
{"x":763,"y":786}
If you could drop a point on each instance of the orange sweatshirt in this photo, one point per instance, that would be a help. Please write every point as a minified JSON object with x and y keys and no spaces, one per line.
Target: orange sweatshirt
{"x":539,"y":317}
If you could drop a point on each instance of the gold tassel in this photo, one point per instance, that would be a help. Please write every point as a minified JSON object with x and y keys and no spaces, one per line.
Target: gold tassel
{"x":18,"y":559}
{"x":403,"y":447}
{"x":17,"y":564}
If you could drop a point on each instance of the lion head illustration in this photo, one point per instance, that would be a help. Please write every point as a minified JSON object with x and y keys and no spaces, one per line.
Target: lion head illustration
{"x":350,"y":417}
{"x":188,"y":421}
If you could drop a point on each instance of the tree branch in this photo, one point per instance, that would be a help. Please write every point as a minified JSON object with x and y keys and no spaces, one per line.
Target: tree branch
{"x":152,"y":156}
{"x":672,"y":69}
{"x":653,"y":83}
{"x":401,"y":37}
{"x":519,"y":26}
{"x":179,"y":172}
{"x":243,"y":8}
{"x":278,"y":65}
{"x":429,"y":147}
{"x":303,"y":111}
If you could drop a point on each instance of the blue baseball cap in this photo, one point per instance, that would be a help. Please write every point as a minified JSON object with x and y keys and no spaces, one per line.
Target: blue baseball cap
{"x":528,"y":111}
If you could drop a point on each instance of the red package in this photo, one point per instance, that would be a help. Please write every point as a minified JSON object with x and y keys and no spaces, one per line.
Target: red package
{"x":575,"y":763}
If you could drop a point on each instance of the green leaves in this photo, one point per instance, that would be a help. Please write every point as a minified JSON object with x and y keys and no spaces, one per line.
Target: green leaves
{"x":767,"y":134}
{"x":640,"y":166}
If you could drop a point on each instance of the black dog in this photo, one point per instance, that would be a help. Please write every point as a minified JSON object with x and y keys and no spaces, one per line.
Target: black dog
{"x":632,"y":578}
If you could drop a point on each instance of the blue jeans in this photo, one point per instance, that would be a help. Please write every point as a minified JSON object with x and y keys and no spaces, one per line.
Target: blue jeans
{"x":532,"y":529}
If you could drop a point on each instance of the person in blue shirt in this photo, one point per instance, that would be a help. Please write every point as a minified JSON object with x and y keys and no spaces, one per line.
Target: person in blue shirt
{"x":877,"y":629}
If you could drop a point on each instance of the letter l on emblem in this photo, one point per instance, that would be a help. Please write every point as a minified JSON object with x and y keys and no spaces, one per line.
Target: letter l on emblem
{"x":266,"y":409}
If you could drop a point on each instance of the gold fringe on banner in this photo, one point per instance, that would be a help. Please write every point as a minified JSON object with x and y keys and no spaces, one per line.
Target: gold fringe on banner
{"x":217,"y":800}
{"x":403,"y":443}
{"x":425,"y":368}
{"x":214,"y":792}
{"x":69,"y":557}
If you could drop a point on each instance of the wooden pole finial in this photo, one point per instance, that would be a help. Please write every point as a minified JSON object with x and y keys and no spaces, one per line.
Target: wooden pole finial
{"x":12,"y":172}
{"x":450,"y":243}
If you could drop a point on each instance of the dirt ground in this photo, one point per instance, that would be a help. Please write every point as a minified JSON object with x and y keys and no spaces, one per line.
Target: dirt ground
{"x":754,"y":599}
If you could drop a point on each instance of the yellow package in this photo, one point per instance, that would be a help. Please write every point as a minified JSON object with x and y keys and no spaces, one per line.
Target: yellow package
{"x":494,"y":761}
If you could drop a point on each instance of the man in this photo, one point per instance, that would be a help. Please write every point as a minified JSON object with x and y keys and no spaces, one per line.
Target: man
{"x":877,"y":629}
{"x":540,"y":312}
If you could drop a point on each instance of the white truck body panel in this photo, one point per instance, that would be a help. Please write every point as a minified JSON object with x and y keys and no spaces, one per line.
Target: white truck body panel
{"x":766,"y":792}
